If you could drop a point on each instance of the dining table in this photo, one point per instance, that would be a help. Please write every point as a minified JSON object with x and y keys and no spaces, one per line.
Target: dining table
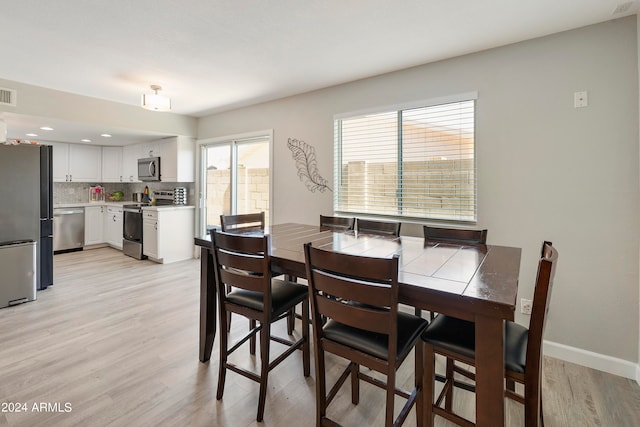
{"x":478,"y":283}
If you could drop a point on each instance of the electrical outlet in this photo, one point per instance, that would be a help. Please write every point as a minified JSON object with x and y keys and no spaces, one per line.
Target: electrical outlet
{"x":525,"y":306}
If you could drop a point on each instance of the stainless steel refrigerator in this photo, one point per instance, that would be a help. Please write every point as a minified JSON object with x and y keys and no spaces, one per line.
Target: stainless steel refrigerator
{"x":26,"y":207}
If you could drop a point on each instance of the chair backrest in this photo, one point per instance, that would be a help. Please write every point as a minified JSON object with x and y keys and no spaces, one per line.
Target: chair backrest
{"x":383,"y":228}
{"x":243,"y":222}
{"x":541,"y":297}
{"x":455,"y":235}
{"x":358,"y":291}
{"x":241,"y":262}
{"x":337,"y":223}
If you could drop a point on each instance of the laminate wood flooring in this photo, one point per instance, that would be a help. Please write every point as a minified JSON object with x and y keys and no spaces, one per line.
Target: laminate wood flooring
{"x":115,"y":343}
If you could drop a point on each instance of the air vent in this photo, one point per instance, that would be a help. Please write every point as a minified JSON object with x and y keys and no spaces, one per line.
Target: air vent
{"x":8,"y":97}
{"x":622,"y":8}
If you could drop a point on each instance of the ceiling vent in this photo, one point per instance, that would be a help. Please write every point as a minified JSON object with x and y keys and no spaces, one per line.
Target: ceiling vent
{"x":8,"y":97}
{"x":622,"y":8}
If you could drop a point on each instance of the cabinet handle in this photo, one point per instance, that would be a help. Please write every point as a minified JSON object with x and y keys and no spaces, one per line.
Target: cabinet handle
{"x":155,"y":226}
{"x":114,"y":218}
{"x":70,"y":178}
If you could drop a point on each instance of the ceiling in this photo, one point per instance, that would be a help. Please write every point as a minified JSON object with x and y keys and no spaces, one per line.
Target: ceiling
{"x":215,"y":55}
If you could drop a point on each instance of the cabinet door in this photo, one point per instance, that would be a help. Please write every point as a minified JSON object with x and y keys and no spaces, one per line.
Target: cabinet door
{"x":93,"y":228}
{"x":113,"y":227}
{"x":150,"y":237}
{"x":60,"y":159}
{"x":111,"y":164}
{"x":85,"y":163}
{"x":130,"y":156}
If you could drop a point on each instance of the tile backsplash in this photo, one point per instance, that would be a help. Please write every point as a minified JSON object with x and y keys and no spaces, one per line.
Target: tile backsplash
{"x":78,"y":192}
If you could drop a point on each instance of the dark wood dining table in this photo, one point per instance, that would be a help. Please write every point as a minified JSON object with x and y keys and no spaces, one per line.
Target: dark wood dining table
{"x":476,"y":283}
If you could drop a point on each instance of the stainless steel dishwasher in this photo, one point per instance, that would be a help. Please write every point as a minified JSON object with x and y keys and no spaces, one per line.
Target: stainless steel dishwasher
{"x":68,"y":229}
{"x":18,"y":267}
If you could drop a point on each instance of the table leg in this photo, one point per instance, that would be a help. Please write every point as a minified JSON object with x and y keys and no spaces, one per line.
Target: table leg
{"x":207,"y":304}
{"x":489,"y":371}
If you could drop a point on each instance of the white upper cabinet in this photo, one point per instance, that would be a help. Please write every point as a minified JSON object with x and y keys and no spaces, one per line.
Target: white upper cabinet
{"x":130,"y":156}
{"x":76,"y":162}
{"x":112,"y":164}
{"x":177,"y":159}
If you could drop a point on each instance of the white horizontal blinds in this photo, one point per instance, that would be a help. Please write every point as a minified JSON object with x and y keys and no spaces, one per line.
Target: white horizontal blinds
{"x":368,"y":164}
{"x":417,"y":162}
{"x":438,"y":162}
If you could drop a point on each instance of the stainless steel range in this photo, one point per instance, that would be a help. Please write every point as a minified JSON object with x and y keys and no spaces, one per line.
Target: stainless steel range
{"x":132,"y":230}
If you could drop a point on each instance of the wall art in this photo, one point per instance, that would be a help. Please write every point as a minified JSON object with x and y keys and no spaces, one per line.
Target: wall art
{"x":305,"y":157}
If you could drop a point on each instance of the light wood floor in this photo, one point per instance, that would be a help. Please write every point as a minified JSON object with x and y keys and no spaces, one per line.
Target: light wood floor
{"x":115,"y":343}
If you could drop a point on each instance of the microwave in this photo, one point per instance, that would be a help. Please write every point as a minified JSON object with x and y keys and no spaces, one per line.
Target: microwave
{"x":149,"y":169}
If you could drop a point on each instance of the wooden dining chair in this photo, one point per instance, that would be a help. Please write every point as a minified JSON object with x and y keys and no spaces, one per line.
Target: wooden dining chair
{"x":455,"y":235}
{"x":243,"y":263}
{"x":455,"y":339}
{"x":242,"y":222}
{"x":337,"y":223}
{"x":359,"y":298}
{"x":383,"y":228}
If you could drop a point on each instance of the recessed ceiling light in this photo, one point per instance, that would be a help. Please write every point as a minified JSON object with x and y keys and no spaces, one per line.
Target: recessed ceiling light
{"x":32,"y":134}
{"x":46,"y":128}
{"x":106,"y":135}
{"x":85,"y":140}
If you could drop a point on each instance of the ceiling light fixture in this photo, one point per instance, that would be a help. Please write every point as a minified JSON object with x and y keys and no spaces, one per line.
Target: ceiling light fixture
{"x":46,"y":128}
{"x":156,"y":102}
{"x":32,"y":134}
{"x":105,"y":135}
{"x":85,"y":140}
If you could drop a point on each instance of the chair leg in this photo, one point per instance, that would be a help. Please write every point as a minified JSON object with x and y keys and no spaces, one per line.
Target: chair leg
{"x":252,"y":340}
{"x":532,"y":403}
{"x":291,"y":321}
{"x":355,"y":383}
{"x":321,"y":385}
{"x":428,"y":381}
{"x":449,"y":375}
{"x":418,"y":312}
{"x":391,"y":387}
{"x":265,"y":338}
{"x":419,"y":383}
{"x":228,"y":313}
{"x":222,"y":366}
{"x":306,"y":347}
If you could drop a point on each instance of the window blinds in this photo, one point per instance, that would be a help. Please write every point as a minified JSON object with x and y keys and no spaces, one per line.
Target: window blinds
{"x":416,"y":162}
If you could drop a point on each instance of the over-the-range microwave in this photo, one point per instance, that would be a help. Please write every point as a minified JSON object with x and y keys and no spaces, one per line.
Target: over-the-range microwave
{"x":149,"y":169}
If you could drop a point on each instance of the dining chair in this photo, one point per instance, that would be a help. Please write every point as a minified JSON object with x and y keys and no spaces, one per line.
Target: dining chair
{"x":248,"y":223}
{"x":243,"y":263}
{"x":452,"y":235}
{"x":337,"y":223}
{"x":358,"y":296}
{"x":383,"y":228}
{"x":455,"y":235}
{"x":455,"y":339}
{"x":242,"y":222}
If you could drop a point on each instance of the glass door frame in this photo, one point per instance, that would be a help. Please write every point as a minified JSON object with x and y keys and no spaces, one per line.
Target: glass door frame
{"x":201,"y":146}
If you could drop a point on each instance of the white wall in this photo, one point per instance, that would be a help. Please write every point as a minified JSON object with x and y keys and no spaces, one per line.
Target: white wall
{"x":545,"y":169}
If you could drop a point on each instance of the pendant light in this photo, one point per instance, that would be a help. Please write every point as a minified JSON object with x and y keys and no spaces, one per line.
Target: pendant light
{"x":156,"y":102}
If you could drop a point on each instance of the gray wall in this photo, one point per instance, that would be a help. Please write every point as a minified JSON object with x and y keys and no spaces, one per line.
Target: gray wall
{"x":545,"y":169}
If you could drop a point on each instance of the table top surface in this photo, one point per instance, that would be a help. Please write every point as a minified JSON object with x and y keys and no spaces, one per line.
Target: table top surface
{"x":431,"y":275}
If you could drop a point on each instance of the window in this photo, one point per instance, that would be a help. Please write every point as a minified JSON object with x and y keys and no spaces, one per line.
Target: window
{"x":236,"y":178}
{"x":417,"y":162}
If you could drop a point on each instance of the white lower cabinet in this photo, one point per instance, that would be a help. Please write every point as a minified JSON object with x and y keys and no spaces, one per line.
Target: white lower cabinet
{"x":93,"y":225}
{"x":167,"y":233}
{"x":113,"y":226}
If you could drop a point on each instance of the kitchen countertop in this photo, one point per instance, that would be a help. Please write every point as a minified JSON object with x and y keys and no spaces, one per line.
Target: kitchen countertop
{"x":119,"y":204}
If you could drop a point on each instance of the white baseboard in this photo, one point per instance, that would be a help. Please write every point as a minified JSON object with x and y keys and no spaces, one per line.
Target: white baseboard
{"x":601,"y":362}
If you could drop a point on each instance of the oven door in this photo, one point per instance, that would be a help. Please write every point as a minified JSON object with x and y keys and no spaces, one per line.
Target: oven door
{"x":132,"y":228}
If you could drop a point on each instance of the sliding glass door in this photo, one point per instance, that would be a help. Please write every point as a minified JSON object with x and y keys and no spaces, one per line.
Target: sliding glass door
{"x":236,"y":178}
